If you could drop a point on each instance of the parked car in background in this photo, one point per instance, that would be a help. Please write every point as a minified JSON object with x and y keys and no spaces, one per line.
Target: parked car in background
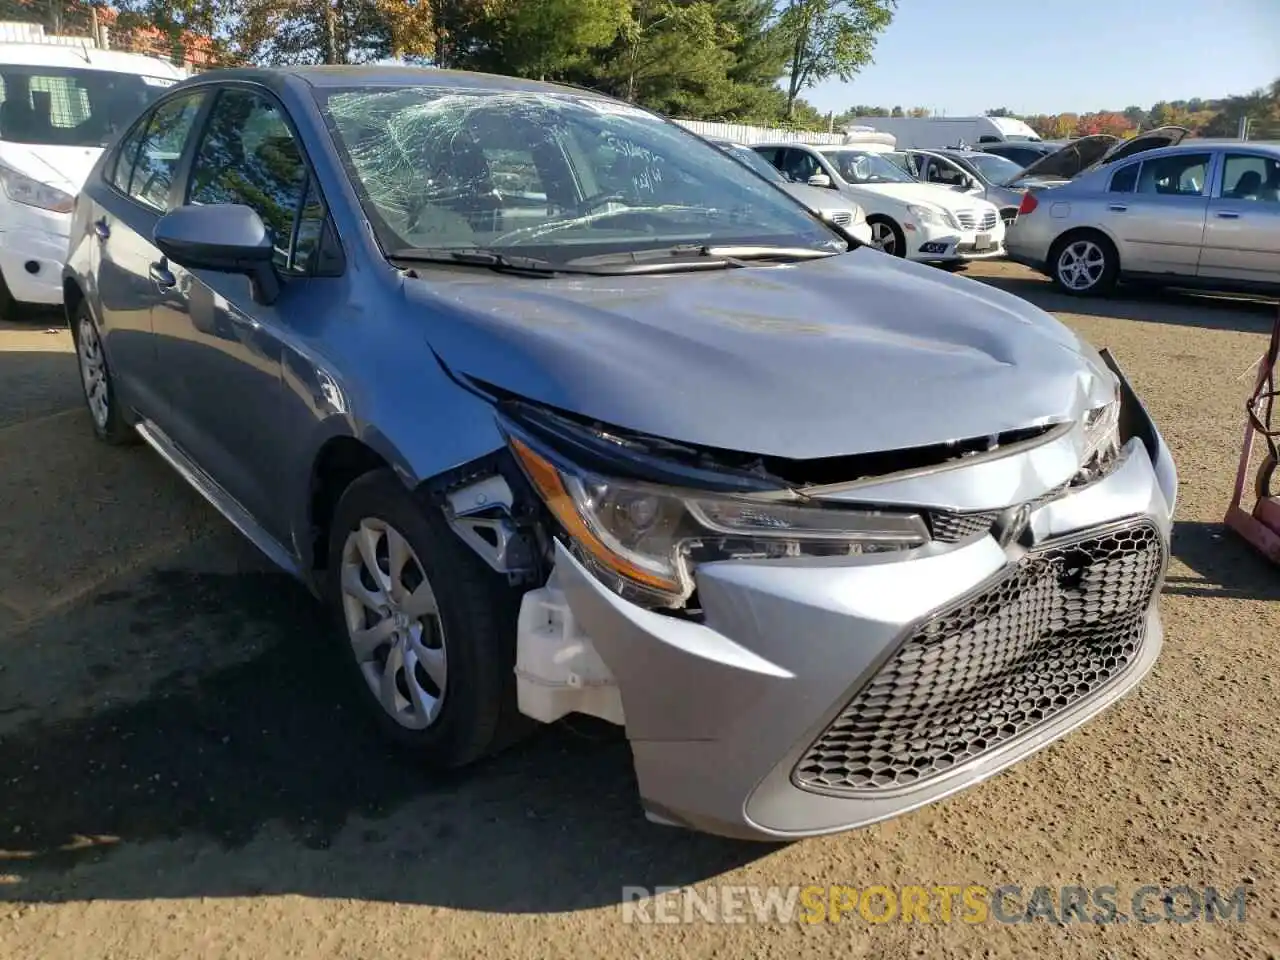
{"x":60,"y":106}
{"x":910,"y":219}
{"x":843,"y":212}
{"x":1022,"y":152}
{"x":969,"y":172}
{"x":830,"y":534}
{"x":1087,"y":153}
{"x":1202,"y":213}
{"x":930,"y":132}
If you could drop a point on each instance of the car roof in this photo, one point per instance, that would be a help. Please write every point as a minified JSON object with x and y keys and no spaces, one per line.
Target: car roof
{"x":86,"y":58}
{"x":1197,"y":144}
{"x":355,"y":75}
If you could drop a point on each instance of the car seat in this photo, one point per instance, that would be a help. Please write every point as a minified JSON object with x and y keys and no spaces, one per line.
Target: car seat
{"x":1248,"y":185}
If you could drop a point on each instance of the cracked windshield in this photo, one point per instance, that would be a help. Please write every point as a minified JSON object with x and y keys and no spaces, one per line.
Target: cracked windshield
{"x":561,"y":176}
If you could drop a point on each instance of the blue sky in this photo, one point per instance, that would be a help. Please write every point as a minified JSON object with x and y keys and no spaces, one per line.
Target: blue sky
{"x":1036,"y":56}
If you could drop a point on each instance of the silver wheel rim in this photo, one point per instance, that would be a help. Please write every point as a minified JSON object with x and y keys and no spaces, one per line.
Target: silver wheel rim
{"x":883,"y":238}
{"x":393,"y":623}
{"x":1080,"y":265}
{"x":93,"y":372}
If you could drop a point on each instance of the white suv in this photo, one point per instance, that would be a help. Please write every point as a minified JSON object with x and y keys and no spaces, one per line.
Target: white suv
{"x":61,"y":106}
{"x":920,"y":221}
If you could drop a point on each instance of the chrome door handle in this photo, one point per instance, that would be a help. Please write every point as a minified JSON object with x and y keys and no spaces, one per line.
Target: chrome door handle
{"x":161,"y":275}
{"x":1118,"y":207}
{"x":1228,"y":215}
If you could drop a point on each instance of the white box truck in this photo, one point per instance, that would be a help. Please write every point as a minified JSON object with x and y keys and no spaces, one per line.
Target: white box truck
{"x":924,"y":133}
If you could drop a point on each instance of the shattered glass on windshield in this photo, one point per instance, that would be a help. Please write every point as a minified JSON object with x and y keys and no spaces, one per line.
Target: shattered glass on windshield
{"x":442,"y":169}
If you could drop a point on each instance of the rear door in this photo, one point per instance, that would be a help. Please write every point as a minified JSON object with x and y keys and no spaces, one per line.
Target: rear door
{"x":138,"y":179}
{"x":1242,"y":233}
{"x":1159,"y":223}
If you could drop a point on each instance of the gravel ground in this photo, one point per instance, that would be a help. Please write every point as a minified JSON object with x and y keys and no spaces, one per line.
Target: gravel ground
{"x":179,"y":775}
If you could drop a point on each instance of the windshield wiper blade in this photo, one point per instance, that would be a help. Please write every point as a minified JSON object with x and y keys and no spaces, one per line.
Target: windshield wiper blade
{"x":473,"y":257}
{"x":702,"y":254}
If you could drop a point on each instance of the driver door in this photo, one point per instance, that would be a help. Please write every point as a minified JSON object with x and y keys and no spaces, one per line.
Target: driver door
{"x":220,"y":350}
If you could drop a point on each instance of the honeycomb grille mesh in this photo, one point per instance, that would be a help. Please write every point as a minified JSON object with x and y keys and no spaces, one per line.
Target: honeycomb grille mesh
{"x":954,"y":527}
{"x":1055,"y":630}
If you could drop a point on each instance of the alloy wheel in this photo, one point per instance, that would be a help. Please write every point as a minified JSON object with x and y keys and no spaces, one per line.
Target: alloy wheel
{"x":93,"y":372}
{"x":883,"y":237}
{"x":393,"y":623}
{"x":1081,"y":265}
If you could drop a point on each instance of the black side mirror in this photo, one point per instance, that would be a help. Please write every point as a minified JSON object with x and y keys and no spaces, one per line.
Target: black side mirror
{"x":226,"y":237}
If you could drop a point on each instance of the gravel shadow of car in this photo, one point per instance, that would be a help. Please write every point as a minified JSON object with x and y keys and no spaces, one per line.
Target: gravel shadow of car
{"x":271,"y":747}
{"x":1210,"y":311}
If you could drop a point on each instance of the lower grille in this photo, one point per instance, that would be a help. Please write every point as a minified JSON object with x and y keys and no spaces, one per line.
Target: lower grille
{"x":1049,"y":634}
{"x":954,"y":527}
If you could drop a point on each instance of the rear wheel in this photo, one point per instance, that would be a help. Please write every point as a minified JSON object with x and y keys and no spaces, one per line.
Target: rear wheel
{"x":1084,"y":264}
{"x":887,"y":236}
{"x":426,"y":630}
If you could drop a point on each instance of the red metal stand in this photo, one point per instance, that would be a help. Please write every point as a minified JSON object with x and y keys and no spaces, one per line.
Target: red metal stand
{"x":1261,"y":525}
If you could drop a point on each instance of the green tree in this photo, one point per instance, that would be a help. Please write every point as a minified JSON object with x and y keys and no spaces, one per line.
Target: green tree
{"x":545,"y":39}
{"x":829,"y":38}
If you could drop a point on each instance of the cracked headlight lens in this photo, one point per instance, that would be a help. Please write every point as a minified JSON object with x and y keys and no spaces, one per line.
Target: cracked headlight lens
{"x":645,"y":540}
{"x":1102,"y":430}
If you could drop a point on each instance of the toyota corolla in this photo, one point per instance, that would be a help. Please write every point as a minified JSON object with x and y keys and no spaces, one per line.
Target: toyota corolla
{"x":561,"y":414}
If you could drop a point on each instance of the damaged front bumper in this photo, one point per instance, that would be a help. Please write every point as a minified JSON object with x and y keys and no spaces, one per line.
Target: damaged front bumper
{"x":820,"y":694}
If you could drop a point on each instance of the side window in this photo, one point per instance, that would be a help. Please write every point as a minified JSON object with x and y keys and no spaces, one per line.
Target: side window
{"x":1246,"y":177}
{"x":1182,"y":174}
{"x":248,"y":155}
{"x":161,"y":147}
{"x":127,"y":155}
{"x":942,"y":172}
{"x":1125,"y":179}
{"x":800,"y":165}
{"x":310,"y":234}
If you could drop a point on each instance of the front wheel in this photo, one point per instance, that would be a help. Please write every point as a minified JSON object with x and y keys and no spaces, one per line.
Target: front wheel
{"x":427,"y":631}
{"x":1084,"y":264}
{"x":887,"y":236}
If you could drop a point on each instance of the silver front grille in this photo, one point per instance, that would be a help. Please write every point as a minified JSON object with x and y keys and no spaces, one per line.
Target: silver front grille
{"x":969,"y":219}
{"x":1050,"y":633}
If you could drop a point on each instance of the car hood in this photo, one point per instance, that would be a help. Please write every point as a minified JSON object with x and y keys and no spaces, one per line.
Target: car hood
{"x":1071,"y":159}
{"x":929,"y":193}
{"x":852,"y":354}
{"x":818,"y":198}
{"x":65,"y":168}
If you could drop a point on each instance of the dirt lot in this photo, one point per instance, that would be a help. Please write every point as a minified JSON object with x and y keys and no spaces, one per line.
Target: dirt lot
{"x":180,"y":777}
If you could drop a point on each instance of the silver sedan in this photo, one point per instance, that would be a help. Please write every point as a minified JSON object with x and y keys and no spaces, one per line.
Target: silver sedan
{"x":1203,"y":213}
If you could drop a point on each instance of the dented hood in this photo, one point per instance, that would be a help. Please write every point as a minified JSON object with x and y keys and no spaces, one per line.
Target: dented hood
{"x":856,"y":353}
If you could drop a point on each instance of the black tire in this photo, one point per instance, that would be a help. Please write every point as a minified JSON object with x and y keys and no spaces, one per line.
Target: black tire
{"x":1083,"y":244}
{"x":116,"y":429}
{"x":477,"y":612}
{"x":899,"y":238}
{"x":9,"y":308}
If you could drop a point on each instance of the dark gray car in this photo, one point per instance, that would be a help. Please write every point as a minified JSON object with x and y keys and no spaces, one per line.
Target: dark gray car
{"x":561,"y":413}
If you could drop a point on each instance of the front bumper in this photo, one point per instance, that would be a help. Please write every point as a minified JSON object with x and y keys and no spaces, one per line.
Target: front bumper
{"x":33,"y":249}
{"x":941,"y":244}
{"x":797,"y":705}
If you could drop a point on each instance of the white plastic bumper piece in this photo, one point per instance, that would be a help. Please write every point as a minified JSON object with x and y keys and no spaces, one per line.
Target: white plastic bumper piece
{"x":558,"y":670}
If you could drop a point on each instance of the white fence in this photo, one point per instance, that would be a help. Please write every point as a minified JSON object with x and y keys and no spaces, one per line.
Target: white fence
{"x":15,"y":31}
{"x":744,"y":133}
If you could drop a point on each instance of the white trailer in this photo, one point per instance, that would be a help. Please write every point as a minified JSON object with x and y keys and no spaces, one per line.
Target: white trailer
{"x":926,"y":133}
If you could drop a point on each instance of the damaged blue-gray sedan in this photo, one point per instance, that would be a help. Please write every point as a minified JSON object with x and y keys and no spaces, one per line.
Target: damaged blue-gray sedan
{"x":562,"y":412}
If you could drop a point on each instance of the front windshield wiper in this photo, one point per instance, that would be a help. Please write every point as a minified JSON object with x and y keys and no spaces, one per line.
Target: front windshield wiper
{"x":702,"y":254}
{"x":474,"y":257}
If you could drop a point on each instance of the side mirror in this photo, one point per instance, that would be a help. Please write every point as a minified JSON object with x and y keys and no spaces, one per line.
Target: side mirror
{"x":819,"y":180}
{"x":226,"y":237}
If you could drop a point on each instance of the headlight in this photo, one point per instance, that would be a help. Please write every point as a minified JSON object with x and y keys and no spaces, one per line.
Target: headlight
{"x":1102,"y":430}
{"x":20,"y":188}
{"x":935,"y":216}
{"x":644,"y":540}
